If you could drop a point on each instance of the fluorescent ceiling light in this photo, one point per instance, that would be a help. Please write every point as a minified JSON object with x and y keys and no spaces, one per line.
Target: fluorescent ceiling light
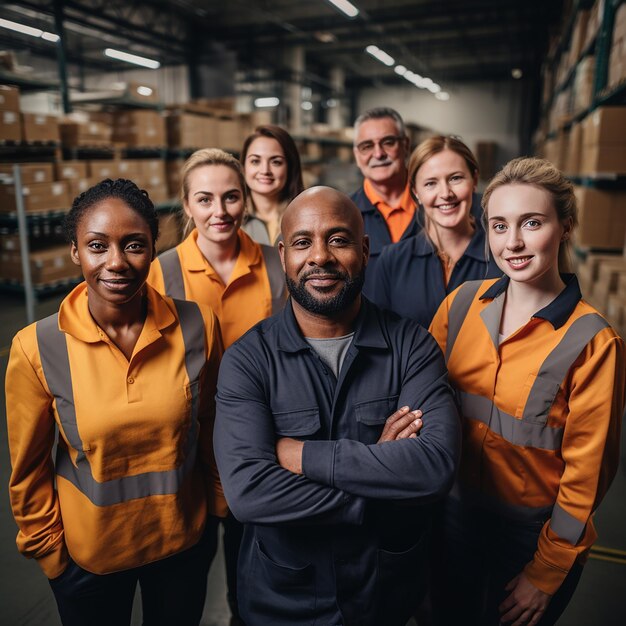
{"x":132,"y":58}
{"x":21,"y":28}
{"x":142,"y":90}
{"x":306,"y":105}
{"x":347,"y":8}
{"x":331,"y":103}
{"x":516,"y":73}
{"x":434,"y":88}
{"x":380,"y":55}
{"x":442,"y":95}
{"x":400,"y":69}
{"x":50,"y":37}
{"x":262,"y":103}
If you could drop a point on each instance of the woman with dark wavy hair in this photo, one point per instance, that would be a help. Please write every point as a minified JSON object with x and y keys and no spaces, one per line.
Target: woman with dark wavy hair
{"x":274,"y":178}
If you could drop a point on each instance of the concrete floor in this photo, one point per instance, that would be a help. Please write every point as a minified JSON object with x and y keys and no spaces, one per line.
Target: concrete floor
{"x":26,"y":599}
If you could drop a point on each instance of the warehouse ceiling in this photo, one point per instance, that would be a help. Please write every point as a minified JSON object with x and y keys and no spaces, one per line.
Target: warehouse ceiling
{"x":446,"y":40}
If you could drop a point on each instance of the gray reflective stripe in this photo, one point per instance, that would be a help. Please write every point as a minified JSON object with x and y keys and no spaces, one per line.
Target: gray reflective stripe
{"x":458,"y":310}
{"x":518,"y":512}
{"x":491,"y":316}
{"x":56,"y":367}
{"x":566,"y":526}
{"x":556,"y":365}
{"x":515,"y":431}
{"x":172,"y":274}
{"x":276,"y":276}
{"x":55,"y":363}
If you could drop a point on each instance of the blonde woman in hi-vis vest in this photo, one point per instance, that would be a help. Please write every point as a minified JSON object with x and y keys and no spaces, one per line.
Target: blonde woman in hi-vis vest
{"x":540,"y":378}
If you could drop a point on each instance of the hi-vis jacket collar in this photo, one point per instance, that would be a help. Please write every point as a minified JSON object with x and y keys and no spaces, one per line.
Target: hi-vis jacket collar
{"x":75,"y":319}
{"x":368,"y":332}
{"x":249,"y":255}
{"x":558,"y":311}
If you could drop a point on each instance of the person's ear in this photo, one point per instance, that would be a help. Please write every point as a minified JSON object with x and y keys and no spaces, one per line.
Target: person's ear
{"x":74,"y":253}
{"x":568,"y":225}
{"x":281,"y":252}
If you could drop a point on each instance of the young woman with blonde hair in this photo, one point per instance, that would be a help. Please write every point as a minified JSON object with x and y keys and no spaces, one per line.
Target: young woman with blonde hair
{"x":220,"y":265}
{"x":415,"y":275}
{"x":540,"y":376}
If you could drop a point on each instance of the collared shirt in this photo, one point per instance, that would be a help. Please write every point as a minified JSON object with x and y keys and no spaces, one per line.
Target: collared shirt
{"x":409,"y":278}
{"x":398,"y":217}
{"x":330,"y":526}
{"x":542,"y":413}
{"x":241,"y":303}
{"x":132,"y":417}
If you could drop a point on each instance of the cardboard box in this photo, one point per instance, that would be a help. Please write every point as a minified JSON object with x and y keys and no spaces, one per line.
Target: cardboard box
{"x":140,"y":129}
{"x":99,"y":170}
{"x":129,"y":168}
{"x":173,"y":177}
{"x":229,"y":136}
{"x":189,"y":130}
{"x":47,"y":266}
{"x":601,"y":218}
{"x":71,"y":170}
{"x":9,"y":98}
{"x":605,"y":125}
{"x":76,"y":186}
{"x":38,"y":197}
{"x":574,"y":154}
{"x":609,"y":275}
{"x":91,"y":133}
{"x":150,"y":173}
{"x":30,"y":172}
{"x":170,"y":232}
{"x":616,"y":312}
{"x":158,"y":193}
{"x":603,"y":159}
{"x":37,"y":127}
{"x":10,"y":126}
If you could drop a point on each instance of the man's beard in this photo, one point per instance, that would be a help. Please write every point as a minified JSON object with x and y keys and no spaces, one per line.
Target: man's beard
{"x":327,"y":306}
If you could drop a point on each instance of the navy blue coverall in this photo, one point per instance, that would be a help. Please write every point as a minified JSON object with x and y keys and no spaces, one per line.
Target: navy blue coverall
{"x":346,"y":542}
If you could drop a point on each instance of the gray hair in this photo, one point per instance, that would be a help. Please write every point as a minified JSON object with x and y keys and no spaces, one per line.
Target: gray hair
{"x":378,"y":113}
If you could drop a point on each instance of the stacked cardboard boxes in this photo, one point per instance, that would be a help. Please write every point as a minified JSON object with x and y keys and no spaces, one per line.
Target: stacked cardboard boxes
{"x":601,"y":217}
{"x":604,"y":141}
{"x":39,"y":128}
{"x":52,"y":264}
{"x":140,"y":129}
{"x":617,"y":59}
{"x":10,"y":120}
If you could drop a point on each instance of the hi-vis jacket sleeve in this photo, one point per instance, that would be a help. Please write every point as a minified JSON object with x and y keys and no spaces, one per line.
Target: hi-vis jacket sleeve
{"x":257,"y":488}
{"x":590,"y":451}
{"x":208,"y":384}
{"x":31,"y":430}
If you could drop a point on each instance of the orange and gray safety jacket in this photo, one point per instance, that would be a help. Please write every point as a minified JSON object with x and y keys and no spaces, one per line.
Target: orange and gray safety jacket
{"x":541,"y":411}
{"x":135,"y":473}
{"x":256,"y":288}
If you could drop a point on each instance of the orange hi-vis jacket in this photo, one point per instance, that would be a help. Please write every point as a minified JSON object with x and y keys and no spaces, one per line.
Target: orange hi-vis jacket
{"x":541,"y":414}
{"x":255,"y":290}
{"x":135,"y":472}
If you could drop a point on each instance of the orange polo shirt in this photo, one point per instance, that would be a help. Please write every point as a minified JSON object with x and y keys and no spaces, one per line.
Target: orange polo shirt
{"x":241,"y":303}
{"x":398,"y":217}
{"x":132,"y":419}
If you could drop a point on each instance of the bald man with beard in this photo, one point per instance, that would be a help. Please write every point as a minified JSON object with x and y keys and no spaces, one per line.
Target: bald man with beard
{"x":336,"y":431}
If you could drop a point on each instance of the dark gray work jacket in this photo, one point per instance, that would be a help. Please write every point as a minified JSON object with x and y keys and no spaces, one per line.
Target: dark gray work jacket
{"x":345,"y":542}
